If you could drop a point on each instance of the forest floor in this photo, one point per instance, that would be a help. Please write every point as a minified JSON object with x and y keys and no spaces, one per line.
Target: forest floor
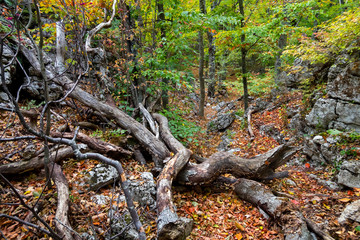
{"x":216,"y":210}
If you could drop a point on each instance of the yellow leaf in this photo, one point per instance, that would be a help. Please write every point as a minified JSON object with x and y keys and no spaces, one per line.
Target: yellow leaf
{"x":239,"y":226}
{"x":328,"y":207}
{"x":344,"y":200}
{"x":238,"y":236}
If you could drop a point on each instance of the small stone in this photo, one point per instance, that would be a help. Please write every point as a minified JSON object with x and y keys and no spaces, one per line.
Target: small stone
{"x":319,"y":140}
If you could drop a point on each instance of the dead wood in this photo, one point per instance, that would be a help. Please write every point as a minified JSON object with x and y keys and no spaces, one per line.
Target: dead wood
{"x":153,"y":125}
{"x":62,"y":211}
{"x":143,"y":135}
{"x":170,"y":226}
{"x":36,"y":162}
{"x":96,"y":144}
{"x":259,"y":167}
{"x":285,"y":213}
{"x":251,"y":133}
{"x":87,"y":125}
{"x":139,"y":157}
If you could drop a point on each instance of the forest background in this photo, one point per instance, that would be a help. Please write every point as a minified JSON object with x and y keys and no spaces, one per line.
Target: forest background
{"x":177,"y":58}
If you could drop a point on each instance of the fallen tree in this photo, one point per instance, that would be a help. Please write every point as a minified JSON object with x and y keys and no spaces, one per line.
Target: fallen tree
{"x":165,"y":149}
{"x":170,"y":226}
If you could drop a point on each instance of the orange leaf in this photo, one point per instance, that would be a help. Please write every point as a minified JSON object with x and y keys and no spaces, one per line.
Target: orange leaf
{"x":239,"y":226}
{"x":344,"y":200}
{"x":238,"y":236}
{"x":307,"y":165}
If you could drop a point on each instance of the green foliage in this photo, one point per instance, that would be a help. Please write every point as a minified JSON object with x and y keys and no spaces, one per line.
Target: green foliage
{"x":182,"y":130}
{"x":334,"y":132}
{"x":257,"y":84}
{"x":349,"y":152}
{"x":108,"y":134}
{"x":32,"y":104}
{"x":357,"y":229}
{"x":333,"y":37}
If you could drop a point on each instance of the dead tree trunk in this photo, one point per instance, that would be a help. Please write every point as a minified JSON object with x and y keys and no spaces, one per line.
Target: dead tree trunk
{"x":260,"y":167}
{"x":282,"y":211}
{"x":62,"y":223}
{"x":95,"y":144}
{"x":36,"y":162}
{"x":156,"y":148}
{"x":170,"y":226}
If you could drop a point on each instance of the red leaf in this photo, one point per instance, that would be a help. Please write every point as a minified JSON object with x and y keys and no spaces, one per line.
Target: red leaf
{"x":307,"y":165}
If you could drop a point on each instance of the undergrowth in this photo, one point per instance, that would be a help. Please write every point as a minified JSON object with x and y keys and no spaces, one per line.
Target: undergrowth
{"x":182,"y":130}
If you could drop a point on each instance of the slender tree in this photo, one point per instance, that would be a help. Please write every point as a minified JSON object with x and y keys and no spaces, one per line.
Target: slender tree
{"x":243,"y":55}
{"x":212,"y":51}
{"x":201,"y":64}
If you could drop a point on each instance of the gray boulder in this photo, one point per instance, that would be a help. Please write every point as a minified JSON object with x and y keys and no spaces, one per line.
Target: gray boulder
{"x":221,"y":122}
{"x":349,"y":174}
{"x":102,"y":175}
{"x":348,"y":114}
{"x":344,"y":80}
{"x":322,"y":113}
{"x":144,"y":190}
{"x":225,"y":143}
{"x":351,"y":212}
{"x":122,"y":227}
{"x":271,"y":131}
{"x":301,"y":71}
{"x":36,"y":89}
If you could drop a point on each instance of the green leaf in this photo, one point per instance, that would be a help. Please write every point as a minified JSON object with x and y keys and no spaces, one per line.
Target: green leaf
{"x":334,"y":132}
{"x":194,"y":203}
{"x":357,"y":228}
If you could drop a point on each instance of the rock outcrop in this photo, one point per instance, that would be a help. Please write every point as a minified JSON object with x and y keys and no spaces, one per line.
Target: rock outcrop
{"x":341,"y":108}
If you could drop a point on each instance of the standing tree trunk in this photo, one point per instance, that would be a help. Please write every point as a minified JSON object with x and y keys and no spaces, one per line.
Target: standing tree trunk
{"x":201,"y":64}
{"x":165,"y":81}
{"x":60,"y":47}
{"x":243,"y":57}
{"x":212,"y":51}
{"x":281,"y":44}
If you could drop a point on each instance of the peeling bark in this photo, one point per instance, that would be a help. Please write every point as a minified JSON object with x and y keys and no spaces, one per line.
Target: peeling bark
{"x":62,"y":211}
{"x":170,"y":226}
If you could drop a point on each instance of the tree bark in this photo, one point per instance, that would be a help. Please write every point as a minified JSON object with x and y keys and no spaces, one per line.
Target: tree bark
{"x":170,"y":226}
{"x":156,"y":148}
{"x":243,"y":57}
{"x":251,"y":133}
{"x":281,"y":44}
{"x":212,"y":51}
{"x":282,"y":211}
{"x":260,"y":167}
{"x":62,"y":223}
{"x":201,"y":64}
{"x":161,"y":19}
{"x":60,"y":47}
{"x":35,"y":162}
{"x":95,"y":144}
